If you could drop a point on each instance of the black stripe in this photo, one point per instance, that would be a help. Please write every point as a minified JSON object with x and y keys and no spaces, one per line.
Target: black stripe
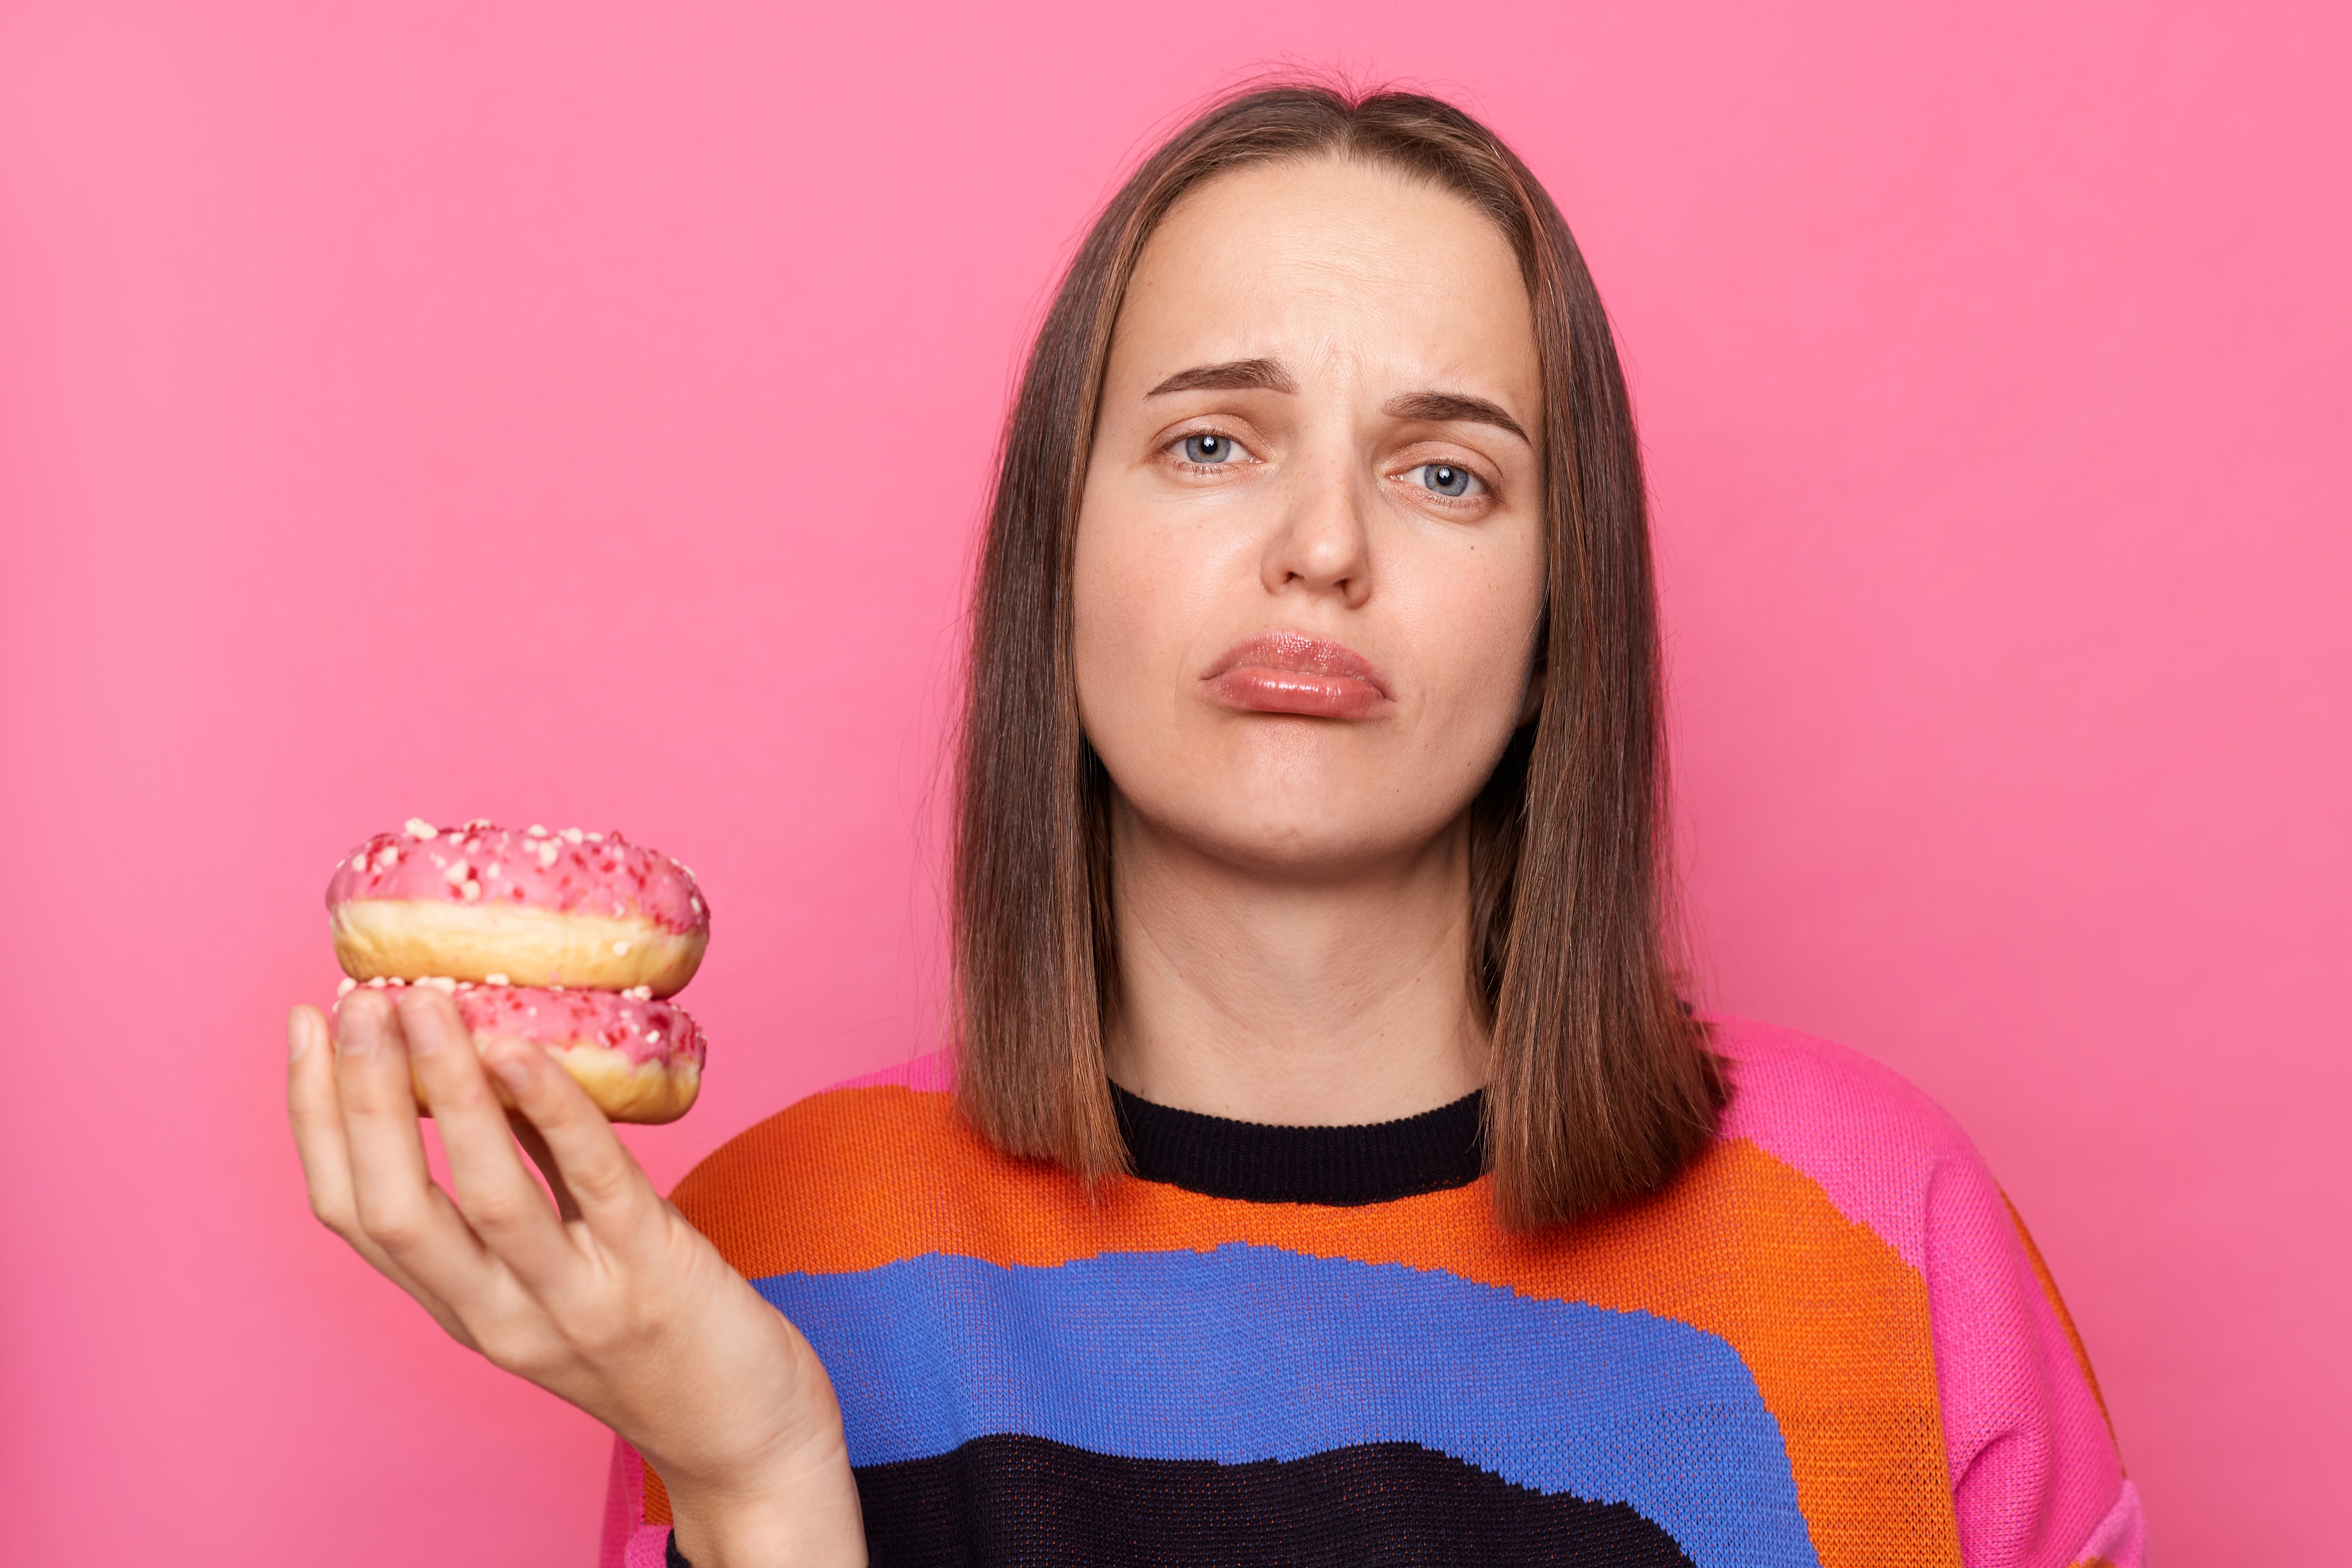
{"x":1338,"y":1165}
{"x":1018,"y":1499}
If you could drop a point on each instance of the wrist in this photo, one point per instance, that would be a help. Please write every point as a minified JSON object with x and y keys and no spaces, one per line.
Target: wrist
{"x":807,"y":1518}
{"x":736,"y":1539}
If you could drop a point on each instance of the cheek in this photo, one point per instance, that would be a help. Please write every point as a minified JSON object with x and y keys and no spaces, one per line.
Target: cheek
{"x":1126,"y":589}
{"x":1107,"y":648}
{"x":1478,"y":640}
{"x":1476,"y":628}
{"x":1145,"y":582}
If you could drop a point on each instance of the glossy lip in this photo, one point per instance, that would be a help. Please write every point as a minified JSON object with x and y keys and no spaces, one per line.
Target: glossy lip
{"x":1290,"y":672}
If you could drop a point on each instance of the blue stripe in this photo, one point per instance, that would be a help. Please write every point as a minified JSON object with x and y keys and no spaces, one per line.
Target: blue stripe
{"x":1253,"y":1352}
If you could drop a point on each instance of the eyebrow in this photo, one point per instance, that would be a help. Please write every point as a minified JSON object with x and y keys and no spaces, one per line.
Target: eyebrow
{"x":1233,"y":375}
{"x":1268,"y":375}
{"x":1445,"y":406}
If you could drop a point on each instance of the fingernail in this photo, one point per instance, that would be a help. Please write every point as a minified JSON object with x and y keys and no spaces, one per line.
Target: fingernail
{"x":297,"y":1037}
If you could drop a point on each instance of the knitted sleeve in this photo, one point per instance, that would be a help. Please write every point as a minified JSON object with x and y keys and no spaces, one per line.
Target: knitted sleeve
{"x":2036,"y":1479}
{"x":630,"y":1539}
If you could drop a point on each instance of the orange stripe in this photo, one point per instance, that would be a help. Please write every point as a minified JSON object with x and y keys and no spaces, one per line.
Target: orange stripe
{"x":1831,"y":1321}
{"x":657,"y":1498}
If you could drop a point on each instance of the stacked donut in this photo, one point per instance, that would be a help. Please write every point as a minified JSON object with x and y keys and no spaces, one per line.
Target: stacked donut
{"x":572,"y":941}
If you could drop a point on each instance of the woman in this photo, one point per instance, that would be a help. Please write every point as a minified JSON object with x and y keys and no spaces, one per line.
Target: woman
{"x":1327,"y":1168}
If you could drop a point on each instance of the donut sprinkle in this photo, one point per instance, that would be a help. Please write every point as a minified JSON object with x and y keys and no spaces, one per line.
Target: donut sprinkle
{"x":569,"y":871}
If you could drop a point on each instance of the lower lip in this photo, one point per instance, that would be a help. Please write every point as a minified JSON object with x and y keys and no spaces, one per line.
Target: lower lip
{"x":1251,"y":689}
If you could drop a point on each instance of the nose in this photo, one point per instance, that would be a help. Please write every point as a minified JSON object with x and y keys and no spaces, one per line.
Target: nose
{"x":1322,"y":545}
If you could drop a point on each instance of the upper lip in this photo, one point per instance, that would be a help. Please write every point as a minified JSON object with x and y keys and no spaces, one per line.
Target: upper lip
{"x":1297,"y":653}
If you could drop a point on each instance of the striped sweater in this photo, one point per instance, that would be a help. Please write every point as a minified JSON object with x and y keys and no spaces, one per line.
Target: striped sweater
{"x":1831,"y":1341}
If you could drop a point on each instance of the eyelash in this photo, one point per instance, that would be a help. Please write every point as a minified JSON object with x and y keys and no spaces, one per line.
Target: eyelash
{"x":1484,"y":486}
{"x":1476,"y":489}
{"x":1176,"y":449}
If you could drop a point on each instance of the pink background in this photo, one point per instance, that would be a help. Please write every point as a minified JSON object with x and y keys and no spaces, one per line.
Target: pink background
{"x":580,"y":413}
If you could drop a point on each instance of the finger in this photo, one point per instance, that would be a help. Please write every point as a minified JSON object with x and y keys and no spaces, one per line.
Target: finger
{"x":610,"y":1192}
{"x":397,"y":1203}
{"x":316,"y":1112}
{"x":315,"y":1109}
{"x":494,"y":1190}
{"x":534,"y":1143}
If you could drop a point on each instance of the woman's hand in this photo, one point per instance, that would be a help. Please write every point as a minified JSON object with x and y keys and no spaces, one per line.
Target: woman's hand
{"x":615,"y":1304}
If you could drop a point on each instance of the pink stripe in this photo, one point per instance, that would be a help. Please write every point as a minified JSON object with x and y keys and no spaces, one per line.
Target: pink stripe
{"x":1807,"y":1102}
{"x":625,"y":1505}
{"x":649,"y":1547}
{"x":629,"y":1542}
{"x":931,"y":1073}
{"x":2121,"y":1540}
{"x":2034,"y":1469}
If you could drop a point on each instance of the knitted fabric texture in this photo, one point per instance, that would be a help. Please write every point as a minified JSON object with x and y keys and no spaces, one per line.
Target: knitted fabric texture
{"x":1830,"y":1343}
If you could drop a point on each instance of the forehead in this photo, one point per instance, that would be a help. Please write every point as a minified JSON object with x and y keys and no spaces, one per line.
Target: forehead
{"x":1306,"y":260}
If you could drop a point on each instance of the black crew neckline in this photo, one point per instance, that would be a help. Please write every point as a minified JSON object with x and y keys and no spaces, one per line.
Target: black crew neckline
{"x":1343,"y":1167}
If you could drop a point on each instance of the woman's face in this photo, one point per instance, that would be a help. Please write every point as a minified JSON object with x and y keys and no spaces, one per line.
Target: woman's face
{"x":1310,"y":557}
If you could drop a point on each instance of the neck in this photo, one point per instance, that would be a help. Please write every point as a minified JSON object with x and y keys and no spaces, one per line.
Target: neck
{"x":1263,"y":997}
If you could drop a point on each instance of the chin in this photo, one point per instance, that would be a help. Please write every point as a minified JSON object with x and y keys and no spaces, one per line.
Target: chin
{"x":1303,"y":798}
{"x":1329,"y":833}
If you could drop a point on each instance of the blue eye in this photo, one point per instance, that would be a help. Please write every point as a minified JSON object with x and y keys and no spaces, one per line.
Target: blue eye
{"x":1210,"y":448}
{"x":1446,"y":479}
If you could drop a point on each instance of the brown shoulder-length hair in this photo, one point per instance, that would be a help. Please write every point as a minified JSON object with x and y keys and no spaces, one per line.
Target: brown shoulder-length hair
{"x":1601,"y":1086}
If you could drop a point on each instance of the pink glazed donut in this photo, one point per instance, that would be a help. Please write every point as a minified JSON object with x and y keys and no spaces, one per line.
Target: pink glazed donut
{"x":640,"y":1059}
{"x":487,"y":904}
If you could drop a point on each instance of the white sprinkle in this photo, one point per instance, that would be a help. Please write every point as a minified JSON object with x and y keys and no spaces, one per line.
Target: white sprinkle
{"x":455,"y":875}
{"x":654,"y":1035}
{"x":420,"y":829}
{"x":547,"y":854}
{"x":478,"y":822}
{"x":595,"y":839}
{"x":473,"y":891}
{"x":555,"y":988}
{"x":494,"y":980}
{"x":495,"y":871}
{"x":694,"y":903}
{"x":620,"y":950}
{"x":440,"y":982}
{"x":536,"y":831}
{"x":639,"y":992}
{"x":385,"y":856}
{"x":687,"y":870}
{"x":359,"y":862}
{"x":573,"y":834}
{"x":346,"y":988}
{"x":376,"y":984}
